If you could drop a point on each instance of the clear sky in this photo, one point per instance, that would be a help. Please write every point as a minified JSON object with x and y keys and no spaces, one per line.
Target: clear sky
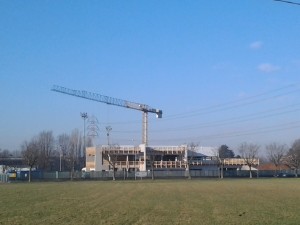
{"x":223,"y":72}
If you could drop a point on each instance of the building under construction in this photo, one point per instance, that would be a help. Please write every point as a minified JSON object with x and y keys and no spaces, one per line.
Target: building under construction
{"x":142,"y":158}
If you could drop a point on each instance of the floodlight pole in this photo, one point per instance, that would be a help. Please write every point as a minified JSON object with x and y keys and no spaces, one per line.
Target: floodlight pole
{"x":60,"y":161}
{"x":108,"y":130}
{"x":60,"y":157}
{"x":84,"y":117}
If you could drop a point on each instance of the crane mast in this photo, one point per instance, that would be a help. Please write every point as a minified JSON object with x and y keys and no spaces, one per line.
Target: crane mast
{"x":114,"y":101}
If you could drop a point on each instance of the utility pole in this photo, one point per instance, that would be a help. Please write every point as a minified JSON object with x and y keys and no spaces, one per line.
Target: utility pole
{"x":60,"y":155}
{"x":108,"y":130}
{"x":84,"y":117}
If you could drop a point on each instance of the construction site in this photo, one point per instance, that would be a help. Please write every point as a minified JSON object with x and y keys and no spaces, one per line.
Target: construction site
{"x":144,"y":158}
{"x":159,"y":158}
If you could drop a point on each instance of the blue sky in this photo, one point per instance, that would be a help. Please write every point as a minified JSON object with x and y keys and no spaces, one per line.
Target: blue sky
{"x":223,"y":72}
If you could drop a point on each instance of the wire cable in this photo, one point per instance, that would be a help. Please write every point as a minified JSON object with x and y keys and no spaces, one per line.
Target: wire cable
{"x":269,"y":129}
{"x":233,"y":104}
{"x":289,"y":2}
{"x":219,"y":123}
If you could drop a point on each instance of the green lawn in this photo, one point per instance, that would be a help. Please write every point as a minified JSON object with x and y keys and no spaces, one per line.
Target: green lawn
{"x":201,"y":201}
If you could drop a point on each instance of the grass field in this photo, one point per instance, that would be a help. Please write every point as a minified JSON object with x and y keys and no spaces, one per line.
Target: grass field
{"x":201,"y":201}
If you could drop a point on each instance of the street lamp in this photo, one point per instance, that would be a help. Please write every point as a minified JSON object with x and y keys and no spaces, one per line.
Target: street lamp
{"x":84,"y":117}
{"x":60,"y":162}
{"x":108,"y":130}
{"x":134,"y":158}
{"x":61,"y":154}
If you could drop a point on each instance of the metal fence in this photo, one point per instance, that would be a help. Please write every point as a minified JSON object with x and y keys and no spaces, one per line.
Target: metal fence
{"x":127,"y":175}
{"x":4,"y":177}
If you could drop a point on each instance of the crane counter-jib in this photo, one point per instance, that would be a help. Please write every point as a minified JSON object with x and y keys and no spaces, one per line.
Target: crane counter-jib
{"x":144,"y":108}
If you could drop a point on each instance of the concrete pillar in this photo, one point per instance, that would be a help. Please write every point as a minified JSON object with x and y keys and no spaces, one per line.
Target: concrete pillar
{"x":98,"y":159}
{"x":143,"y":150}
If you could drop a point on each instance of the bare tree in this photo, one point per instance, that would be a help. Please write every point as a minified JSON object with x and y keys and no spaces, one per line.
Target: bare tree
{"x":82,"y":155}
{"x":150,"y":158}
{"x":30,"y":153}
{"x":275,"y":154}
{"x":89,"y":143}
{"x":190,"y":153}
{"x":249,"y":152}
{"x":111,"y":156}
{"x":151,"y":154}
{"x":73,"y":151}
{"x":5,"y":153}
{"x":63,"y":145}
{"x":292,"y":159}
{"x":224,"y":152}
{"x":46,"y":147}
{"x":220,"y":155}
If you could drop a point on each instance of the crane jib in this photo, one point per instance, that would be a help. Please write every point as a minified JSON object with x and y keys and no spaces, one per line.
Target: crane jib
{"x":106,"y":99}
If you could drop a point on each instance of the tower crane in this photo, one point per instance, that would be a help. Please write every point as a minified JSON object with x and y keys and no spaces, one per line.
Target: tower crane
{"x":114,"y":101}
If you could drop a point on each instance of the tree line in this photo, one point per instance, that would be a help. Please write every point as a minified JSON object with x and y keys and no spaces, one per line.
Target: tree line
{"x":66,"y":153}
{"x":277,"y":154}
{"x":47,"y":153}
